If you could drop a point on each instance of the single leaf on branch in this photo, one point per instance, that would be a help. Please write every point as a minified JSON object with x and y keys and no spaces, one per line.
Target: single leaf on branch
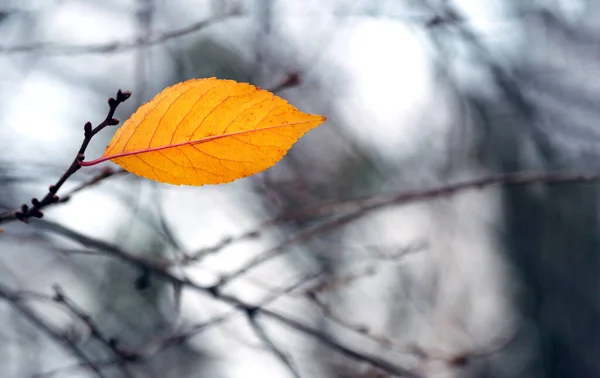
{"x":207,"y":131}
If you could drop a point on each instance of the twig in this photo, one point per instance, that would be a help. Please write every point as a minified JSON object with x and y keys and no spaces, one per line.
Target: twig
{"x":262,"y":334}
{"x":177,"y":339}
{"x":159,"y":270}
{"x":35,"y":211}
{"x":105,"y":173}
{"x":327,"y":340}
{"x":369,"y":203}
{"x":339,"y":282}
{"x":358,"y":328}
{"x":225,"y":242}
{"x":357,"y":208}
{"x":115,"y":46}
{"x":14,"y":299}
{"x":49,"y":373}
{"x":281,"y":248}
{"x":111,"y":344}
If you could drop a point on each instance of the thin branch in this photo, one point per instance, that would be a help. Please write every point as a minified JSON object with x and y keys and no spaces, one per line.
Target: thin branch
{"x":160,"y":270}
{"x":114,"y":46}
{"x":104,"y":174}
{"x":357,"y":208}
{"x":369,"y":203}
{"x":225,"y":242}
{"x":35,"y":211}
{"x":361,"y":329}
{"x":279,"y":250}
{"x":329,"y":341}
{"x":262,"y":335}
{"x":15,"y":300}
{"x":111,"y":344}
{"x":64,"y":369}
{"x":177,"y":339}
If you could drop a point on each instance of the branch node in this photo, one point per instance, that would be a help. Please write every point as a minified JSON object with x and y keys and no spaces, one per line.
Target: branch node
{"x":21,"y":216}
{"x":36,"y":213}
{"x":113,"y":122}
{"x":214,"y":290}
{"x":36,"y":203}
{"x":87,"y":129}
{"x":58,"y":297}
{"x":251,"y":311}
{"x":122,"y":96}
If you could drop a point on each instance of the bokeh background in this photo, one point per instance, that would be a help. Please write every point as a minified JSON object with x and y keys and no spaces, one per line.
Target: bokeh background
{"x":500,"y":281}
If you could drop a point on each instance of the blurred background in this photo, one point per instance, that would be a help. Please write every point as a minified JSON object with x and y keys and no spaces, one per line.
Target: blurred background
{"x":500,"y":281}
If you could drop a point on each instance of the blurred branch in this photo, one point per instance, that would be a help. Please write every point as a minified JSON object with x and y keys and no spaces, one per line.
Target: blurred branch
{"x":198,"y":328}
{"x":369,"y":203}
{"x":15,"y":300}
{"x":203,"y":252}
{"x":279,"y":250}
{"x":111,"y":344}
{"x":327,"y":340}
{"x":262,"y":335}
{"x":177,"y":339}
{"x":115,"y":46}
{"x":328,"y":312}
{"x":26,"y":212}
{"x":105,"y":173}
{"x":160,"y":270}
{"x":465,"y":357}
{"x":360,"y":207}
{"x":339,"y":282}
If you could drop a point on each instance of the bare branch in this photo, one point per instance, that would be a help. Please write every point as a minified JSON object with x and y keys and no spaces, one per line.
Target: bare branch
{"x":111,"y":344}
{"x":335,"y":345}
{"x":158,"y":268}
{"x":262,"y":334}
{"x":104,"y":174}
{"x":115,"y":46}
{"x":279,"y":250}
{"x":369,"y":203}
{"x":35,"y":211}
{"x":15,"y":300}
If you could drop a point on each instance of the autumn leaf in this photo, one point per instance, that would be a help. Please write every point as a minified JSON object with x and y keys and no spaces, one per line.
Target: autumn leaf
{"x":207,"y":131}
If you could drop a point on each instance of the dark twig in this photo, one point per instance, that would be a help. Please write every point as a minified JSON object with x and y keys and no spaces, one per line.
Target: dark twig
{"x":15,"y":300}
{"x":289,"y":81}
{"x":35,"y":211}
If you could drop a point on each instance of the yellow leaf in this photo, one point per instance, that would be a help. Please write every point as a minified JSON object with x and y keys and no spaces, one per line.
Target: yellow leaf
{"x":208,"y":131}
